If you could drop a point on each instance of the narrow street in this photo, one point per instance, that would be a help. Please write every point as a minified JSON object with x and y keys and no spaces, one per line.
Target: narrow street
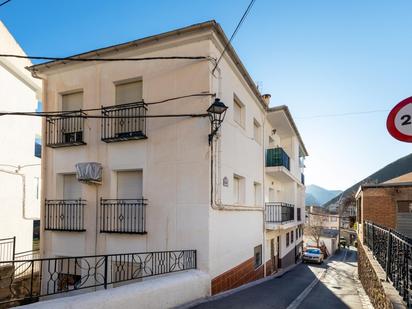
{"x":331,"y":285}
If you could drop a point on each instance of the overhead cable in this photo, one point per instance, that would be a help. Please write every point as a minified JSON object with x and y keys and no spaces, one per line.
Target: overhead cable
{"x":234,"y":33}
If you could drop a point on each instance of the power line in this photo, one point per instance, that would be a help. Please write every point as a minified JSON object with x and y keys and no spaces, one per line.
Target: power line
{"x":105,"y":59}
{"x":3,"y":3}
{"x":344,"y":114}
{"x":234,"y":32}
{"x":76,"y":113}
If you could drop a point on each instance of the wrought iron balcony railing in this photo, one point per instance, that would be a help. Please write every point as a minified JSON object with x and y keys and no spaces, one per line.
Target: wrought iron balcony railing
{"x":124,"y":122}
{"x":67,"y":130}
{"x":277,"y":212}
{"x":277,"y":157}
{"x":7,"y":248}
{"x":64,"y":215}
{"x":123,"y":216}
{"x":27,"y":280}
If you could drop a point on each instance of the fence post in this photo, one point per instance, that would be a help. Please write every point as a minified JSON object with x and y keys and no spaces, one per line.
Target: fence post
{"x":388,"y":254}
{"x":14,"y":248}
{"x":105,"y":271}
{"x":373,"y":239}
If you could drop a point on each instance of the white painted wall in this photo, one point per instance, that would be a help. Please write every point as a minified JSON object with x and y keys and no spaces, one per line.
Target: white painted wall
{"x":19,"y":92}
{"x":156,"y":293}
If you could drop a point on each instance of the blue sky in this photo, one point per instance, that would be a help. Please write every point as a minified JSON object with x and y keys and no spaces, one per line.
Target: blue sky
{"x":317,"y":57}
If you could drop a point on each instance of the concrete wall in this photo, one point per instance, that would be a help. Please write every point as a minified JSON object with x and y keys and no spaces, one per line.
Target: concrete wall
{"x":19,"y":92}
{"x":162,"y":292}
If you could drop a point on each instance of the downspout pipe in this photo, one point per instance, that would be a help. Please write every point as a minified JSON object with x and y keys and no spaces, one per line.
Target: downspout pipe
{"x":23,"y":202}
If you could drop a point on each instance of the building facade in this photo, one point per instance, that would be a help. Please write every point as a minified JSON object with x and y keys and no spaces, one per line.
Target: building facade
{"x":388,"y":204}
{"x":165,"y":185}
{"x":19,"y":167}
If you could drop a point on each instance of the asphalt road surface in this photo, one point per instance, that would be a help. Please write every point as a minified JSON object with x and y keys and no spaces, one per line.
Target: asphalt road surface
{"x":331,"y":285}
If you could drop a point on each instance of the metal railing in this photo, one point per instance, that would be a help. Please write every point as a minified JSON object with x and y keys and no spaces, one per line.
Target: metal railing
{"x":277,"y":157}
{"x":393,"y":251}
{"x":123,"y":216}
{"x":30,"y":279}
{"x":65,"y":130}
{"x":277,"y":212}
{"x":123,"y":122}
{"x":64,"y":215}
{"x":7,"y":248}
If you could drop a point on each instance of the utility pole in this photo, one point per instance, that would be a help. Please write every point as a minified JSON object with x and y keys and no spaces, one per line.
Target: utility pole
{"x":339,"y":218}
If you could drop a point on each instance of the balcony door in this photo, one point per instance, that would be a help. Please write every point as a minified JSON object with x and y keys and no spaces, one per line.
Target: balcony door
{"x":71,"y":187}
{"x":130,"y":185}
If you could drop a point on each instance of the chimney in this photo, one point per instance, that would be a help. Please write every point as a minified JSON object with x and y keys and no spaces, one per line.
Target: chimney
{"x":266,"y":98}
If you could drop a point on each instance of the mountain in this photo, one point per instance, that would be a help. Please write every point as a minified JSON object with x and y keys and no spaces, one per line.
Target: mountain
{"x":395,"y":169}
{"x":317,"y":196}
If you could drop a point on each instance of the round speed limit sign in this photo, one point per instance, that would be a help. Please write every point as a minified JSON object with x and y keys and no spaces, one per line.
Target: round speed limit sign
{"x":399,"y":122}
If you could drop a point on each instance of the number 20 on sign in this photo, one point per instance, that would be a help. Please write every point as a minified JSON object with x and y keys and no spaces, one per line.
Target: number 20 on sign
{"x":399,"y":122}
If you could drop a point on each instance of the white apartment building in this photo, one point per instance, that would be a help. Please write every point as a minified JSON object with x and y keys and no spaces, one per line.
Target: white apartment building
{"x":164,"y":186}
{"x":19,"y":167}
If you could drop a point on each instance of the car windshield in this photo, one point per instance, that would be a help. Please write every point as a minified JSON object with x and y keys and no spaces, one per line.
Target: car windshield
{"x":313,"y":251}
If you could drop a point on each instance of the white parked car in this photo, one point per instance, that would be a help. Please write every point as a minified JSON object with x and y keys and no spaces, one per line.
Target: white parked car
{"x":313,"y":255}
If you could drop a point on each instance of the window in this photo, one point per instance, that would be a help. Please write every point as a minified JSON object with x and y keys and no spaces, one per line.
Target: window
{"x":333,"y":219}
{"x":129,"y":92}
{"x":130,"y":185}
{"x":299,"y":214}
{"x":37,"y":187}
{"x":404,"y":206}
{"x":297,"y":235}
{"x":258,"y":256}
{"x":71,"y":187}
{"x":291,"y":237}
{"x":287,"y":239}
{"x":238,"y":189}
{"x":257,"y":188}
{"x":72,"y":101}
{"x":238,"y":112}
{"x":271,"y":142}
{"x":257,"y":131}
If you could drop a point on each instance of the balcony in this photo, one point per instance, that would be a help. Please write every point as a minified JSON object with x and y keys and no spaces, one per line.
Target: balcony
{"x":64,"y":215}
{"x":123,"y":216}
{"x":277,"y":157}
{"x":124,"y":122}
{"x":279,"y":213}
{"x":63,"y":131}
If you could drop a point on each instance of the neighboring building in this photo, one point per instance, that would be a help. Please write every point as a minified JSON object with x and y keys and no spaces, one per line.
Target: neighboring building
{"x":186,"y":193}
{"x":19,"y":167}
{"x":388,"y":204}
{"x":330,"y":220}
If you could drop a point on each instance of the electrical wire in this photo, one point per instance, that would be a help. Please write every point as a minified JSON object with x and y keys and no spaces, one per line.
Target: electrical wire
{"x":81,"y":113}
{"x":3,"y":3}
{"x":344,"y":114}
{"x":234,"y":33}
{"x":105,"y":59}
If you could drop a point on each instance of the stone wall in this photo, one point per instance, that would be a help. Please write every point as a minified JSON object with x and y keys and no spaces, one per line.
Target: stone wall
{"x":381,"y":293}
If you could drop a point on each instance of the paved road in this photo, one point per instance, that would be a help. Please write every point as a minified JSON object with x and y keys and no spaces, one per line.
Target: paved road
{"x":332,"y":285}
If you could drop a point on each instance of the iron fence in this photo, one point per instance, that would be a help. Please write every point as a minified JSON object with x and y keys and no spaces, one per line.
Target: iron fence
{"x":123,"y":122}
{"x":65,"y":130}
{"x":7,"y":248}
{"x":277,"y":212}
{"x":27,"y":280}
{"x":393,"y":251}
{"x":64,"y":215}
{"x":123,"y":216}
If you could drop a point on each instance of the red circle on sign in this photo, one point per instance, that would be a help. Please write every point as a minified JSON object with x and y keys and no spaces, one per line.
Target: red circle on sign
{"x":390,"y":122}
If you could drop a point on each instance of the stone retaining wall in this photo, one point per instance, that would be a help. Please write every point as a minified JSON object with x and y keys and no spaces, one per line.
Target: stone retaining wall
{"x":381,"y":293}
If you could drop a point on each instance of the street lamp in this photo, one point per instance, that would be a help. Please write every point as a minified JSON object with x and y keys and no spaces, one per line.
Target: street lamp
{"x":217,"y":112}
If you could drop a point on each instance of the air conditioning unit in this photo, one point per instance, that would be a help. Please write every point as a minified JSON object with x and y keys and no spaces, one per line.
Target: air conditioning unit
{"x":89,"y":172}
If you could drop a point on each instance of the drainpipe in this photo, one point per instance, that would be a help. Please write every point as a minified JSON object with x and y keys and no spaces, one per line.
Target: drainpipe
{"x":23,"y":180}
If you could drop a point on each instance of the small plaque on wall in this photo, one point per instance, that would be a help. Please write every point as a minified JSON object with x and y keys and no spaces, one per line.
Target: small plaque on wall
{"x":225,"y":181}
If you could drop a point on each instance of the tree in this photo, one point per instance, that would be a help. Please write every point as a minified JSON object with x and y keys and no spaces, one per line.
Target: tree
{"x":314,"y":228}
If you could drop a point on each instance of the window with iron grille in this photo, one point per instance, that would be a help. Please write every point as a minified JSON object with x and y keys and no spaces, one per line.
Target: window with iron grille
{"x":126,"y":120}
{"x":287,"y":239}
{"x":299,"y":215}
{"x":258,"y":256}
